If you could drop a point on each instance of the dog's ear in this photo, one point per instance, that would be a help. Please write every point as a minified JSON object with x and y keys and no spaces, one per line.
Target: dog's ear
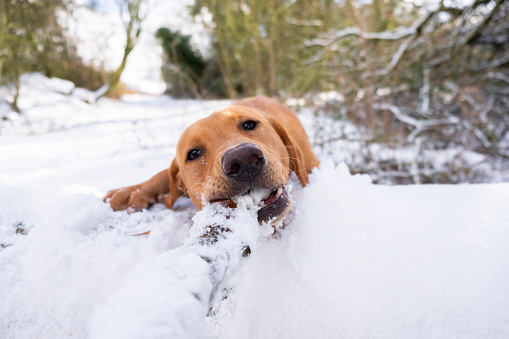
{"x":177,"y":187}
{"x":297,"y":163}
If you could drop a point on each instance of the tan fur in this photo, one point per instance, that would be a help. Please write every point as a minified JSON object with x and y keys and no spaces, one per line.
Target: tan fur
{"x":279,"y":134}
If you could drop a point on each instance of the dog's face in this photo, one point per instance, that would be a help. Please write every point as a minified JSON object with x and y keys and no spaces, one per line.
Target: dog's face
{"x":231,"y":152}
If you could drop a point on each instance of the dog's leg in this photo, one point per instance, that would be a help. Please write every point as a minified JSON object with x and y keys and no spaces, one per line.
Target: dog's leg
{"x":138,"y":197}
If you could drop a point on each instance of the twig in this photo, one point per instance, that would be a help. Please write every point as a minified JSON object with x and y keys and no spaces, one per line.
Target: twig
{"x":419,"y":125}
{"x":475,"y":33}
{"x":183,"y":282}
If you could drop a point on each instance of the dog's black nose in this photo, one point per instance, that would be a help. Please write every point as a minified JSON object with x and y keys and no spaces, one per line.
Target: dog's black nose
{"x":243,"y":163}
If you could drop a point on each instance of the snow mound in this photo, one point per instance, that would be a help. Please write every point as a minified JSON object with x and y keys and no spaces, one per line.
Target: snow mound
{"x":356,"y":261}
{"x":171,"y":296}
{"x":366,"y":261}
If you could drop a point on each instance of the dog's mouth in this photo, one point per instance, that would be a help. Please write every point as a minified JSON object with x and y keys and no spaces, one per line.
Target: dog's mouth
{"x":272,"y":205}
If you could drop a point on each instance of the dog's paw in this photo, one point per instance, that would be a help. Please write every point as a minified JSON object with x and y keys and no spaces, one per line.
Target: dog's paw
{"x":133,"y":198}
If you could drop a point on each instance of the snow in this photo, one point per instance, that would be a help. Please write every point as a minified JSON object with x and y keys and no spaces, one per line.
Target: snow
{"x":355,"y":260}
{"x":366,"y":261}
{"x":184,"y":282}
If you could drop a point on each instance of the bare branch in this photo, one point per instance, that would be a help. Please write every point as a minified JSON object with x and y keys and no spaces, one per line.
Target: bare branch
{"x":397,"y":34}
{"x":425,"y":92}
{"x":495,"y":64}
{"x":299,"y":22}
{"x":498,"y":76}
{"x":475,"y":33}
{"x":399,"y":53}
{"x":419,"y":125}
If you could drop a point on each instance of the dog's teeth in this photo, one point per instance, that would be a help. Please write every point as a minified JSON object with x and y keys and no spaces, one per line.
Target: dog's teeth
{"x":272,"y":197}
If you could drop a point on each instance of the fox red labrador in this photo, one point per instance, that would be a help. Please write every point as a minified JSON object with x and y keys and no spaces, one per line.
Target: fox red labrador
{"x":253,"y":144}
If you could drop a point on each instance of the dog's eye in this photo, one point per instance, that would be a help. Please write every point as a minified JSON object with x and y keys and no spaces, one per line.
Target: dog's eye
{"x":249,"y":125}
{"x":193,"y":154}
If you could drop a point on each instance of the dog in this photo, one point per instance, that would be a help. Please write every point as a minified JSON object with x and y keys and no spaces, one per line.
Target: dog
{"x":253,"y":144}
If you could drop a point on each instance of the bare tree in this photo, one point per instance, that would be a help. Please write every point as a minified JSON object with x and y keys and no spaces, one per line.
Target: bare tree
{"x":133,"y":13}
{"x":3,"y":34}
{"x":438,"y":78}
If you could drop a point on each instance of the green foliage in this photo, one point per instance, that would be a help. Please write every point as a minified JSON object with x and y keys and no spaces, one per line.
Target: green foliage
{"x":25,"y":36}
{"x":185,"y":71}
{"x":179,"y":51}
{"x":259,"y":44}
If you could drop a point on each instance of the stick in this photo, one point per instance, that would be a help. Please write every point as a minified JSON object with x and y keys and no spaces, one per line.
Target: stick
{"x":172,"y":295}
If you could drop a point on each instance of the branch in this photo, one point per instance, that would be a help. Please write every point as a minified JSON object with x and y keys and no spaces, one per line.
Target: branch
{"x":478,"y":133}
{"x":474,"y":34}
{"x":399,"y":53}
{"x":425,"y":92}
{"x":399,"y":33}
{"x":172,"y":295}
{"x":498,"y":76}
{"x":419,"y":125}
{"x":299,"y":22}
{"x":494,"y":64}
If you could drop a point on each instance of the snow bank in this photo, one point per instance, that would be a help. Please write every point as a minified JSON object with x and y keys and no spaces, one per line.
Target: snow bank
{"x":75,"y":253}
{"x":356,"y":261}
{"x":366,"y":261}
{"x":170,"y":297}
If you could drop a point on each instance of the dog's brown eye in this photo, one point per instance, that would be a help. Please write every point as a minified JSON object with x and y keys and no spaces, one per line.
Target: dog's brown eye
{"x":249,"y":125}
{"x":193,"y":154}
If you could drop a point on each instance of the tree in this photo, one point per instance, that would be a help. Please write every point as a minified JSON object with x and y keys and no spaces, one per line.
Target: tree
{"x":3,"y":34}
{"x":31,"y":39}
{"x":259,"y":44}
{"x":133,"y":14}
{"x":433,"y":74}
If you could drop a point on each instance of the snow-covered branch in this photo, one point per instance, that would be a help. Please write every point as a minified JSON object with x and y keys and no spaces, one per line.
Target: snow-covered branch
{"x":494,"y":64}
{"x":397,"y":34}
{"x":498,"y":76}
{"x":172,"y":296}
{"x":399,"y":53}
{"x":484,"y":23}
{"x":410,"y":33}
{"x":419,"y":125}
{"x":300,"y":22}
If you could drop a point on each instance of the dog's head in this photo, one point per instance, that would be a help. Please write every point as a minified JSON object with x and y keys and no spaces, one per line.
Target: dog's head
{"x":233,"y":151}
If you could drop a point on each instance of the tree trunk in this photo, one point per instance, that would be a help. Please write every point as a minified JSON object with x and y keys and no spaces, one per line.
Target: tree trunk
{"x":115,"y":77}
{"x":14,"y":103}
{"x":3,"y":34}
{"x":224,"y":64}
{"x":132,"y":26}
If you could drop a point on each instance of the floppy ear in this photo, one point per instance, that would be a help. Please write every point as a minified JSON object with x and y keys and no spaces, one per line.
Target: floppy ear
{"x":177,"y":187}
{"x":297,"y":163}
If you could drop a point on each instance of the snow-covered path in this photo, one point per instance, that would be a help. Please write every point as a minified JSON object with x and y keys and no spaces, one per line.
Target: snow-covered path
{"x":356,"y":261}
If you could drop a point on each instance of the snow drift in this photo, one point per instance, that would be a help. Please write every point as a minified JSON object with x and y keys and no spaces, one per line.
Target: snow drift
{"x":356,"y":260}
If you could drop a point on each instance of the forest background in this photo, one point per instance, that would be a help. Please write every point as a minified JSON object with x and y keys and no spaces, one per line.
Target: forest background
{"x":406,"y":91}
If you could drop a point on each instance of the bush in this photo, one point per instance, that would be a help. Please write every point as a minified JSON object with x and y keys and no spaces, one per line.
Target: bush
{"x":185,"y":71}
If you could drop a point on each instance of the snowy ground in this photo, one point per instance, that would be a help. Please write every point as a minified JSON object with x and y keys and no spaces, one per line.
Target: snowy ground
{"x":356,"y":261}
